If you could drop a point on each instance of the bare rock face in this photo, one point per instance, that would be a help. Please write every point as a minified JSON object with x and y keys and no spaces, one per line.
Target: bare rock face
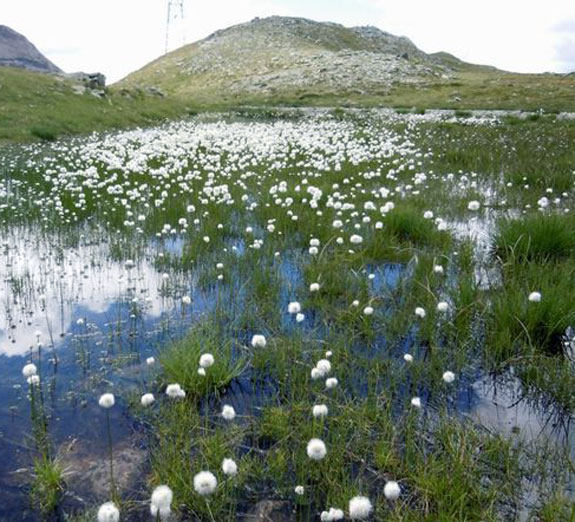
{"x":17,"y":51}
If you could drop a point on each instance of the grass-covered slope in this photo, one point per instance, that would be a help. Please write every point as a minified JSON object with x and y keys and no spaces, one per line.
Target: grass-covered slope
{"x":36,"y":105}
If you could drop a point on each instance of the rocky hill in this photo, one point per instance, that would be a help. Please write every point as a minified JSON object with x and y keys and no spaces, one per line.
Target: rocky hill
{"x":17,"y":51}
{"x":290,"y":57}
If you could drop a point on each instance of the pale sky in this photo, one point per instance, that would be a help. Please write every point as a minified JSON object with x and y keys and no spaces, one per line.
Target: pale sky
{"x":116,"y":37}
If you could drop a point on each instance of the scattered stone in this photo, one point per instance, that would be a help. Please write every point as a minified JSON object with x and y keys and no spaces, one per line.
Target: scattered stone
{"x":271,"y":511}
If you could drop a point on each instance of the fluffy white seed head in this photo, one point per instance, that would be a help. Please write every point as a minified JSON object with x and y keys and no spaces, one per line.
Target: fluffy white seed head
{"x":420,"y":312}
{"x":360,"y":508}
{"x":368,"y":310}
{"x":356,"y":239}
{"x":206,"y":360}
{"x":229,"y":467}
{"x":324,"y":367}
{"x":319,"y":411}
{"x":314,"y":287}
{"x":332,"y":514}
{"x":473,"y":205}
{"x":442,"y":306}
{"x":294,"y":307}
{"x":448,"y":377}
{"x":316,"y":449}
{"x":29,"y":370}
{"x":162,"y":497}
{"x":535,"y":297}
{"x":108,"y":512}
{"x":150,"y":361}
{"x":438,"y":269}
{"x":106,"y":400}
{"x":416,"y":401}
{"x":408,"y":358}
{"x":175,"y":391}
{"x":205,"y":483}
{"x":228,"y":412}
{"x":391,"y":490}
{"x":331,"y":383}
{"x":299,"y":490}
{"x":147,"y":399}
{"x":259,"y":341}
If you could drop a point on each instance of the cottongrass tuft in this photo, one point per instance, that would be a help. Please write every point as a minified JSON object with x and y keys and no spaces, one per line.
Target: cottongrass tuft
{"x":314,"y":287}
{"x":316,"y":449}
{"x":206,"y":360}
{"x":473,"y":205}
{"x":391,"y":490}
{"x":205,"y":483}
{"x":259,"y":341}
{"x":175,"y":391}
{"x":150,"y":361}
{"x":229,"y":467}
{"x":332,"y":514}
{"x":442,"y":306}
{"x":29,"y":370}
{"x":420,"y":312}
{"x":416,"y":401}
{"x":448,"y":377}
{"x":534,"y":297}
{"x":161,"y":501}
{"x":108,"y":512}
{"x":106,"y":400}
{"x":368,"y":310}
{"x":299,"y":490}
{"x":294,"y":308}
{"x":360,"y":508}
{"x":319,"y":411}
{"x":228,"y":412}
{"x":408,"y":358}
{"x":331,"y":383}
{"x":147,"y":399}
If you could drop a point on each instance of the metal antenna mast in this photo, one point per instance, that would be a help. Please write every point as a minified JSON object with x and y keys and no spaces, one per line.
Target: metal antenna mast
{"x":175,"y":13}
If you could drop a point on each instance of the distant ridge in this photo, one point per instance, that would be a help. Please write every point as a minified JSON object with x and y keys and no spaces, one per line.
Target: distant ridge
{"x":283,"y":56}
{"x":17,"y":51}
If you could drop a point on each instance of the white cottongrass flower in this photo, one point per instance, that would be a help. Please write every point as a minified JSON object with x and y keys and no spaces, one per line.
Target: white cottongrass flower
{"x":294,"y":307}
{"x":328,"y":354}
{"x":448,"y":377}
{"x":314,"y":242}
{"x":300,"y":318}
{"x":206,"y":360}
{"x":29,"y":370}
{"x":161,"y":501}
{"x":391,"y":490}
{"x":442,"y":306}
{"x":150,"y":361}
{"x":355,"y":303}
{"x":313,"y":251}
{"x":368,"y":310}
{"x":258,"y":341}
{"x":316,"y":449}
{"x":331,"y":383}
{"x":205,"y":483}
{"x":315,"y":374}
{"x":428,"y":214}
{"x":408,"y":358}
{"x":319,"y":411}
{"x":108,"y":512}
{"x":420,"y":312}
{"x":147,"y":399}
{"x":332,"y":514}
{"x":106,"y":400}
{"x":299,"y":490}
{"x":314,"y":287}
{"x":228,"y":412}
{"x":175,"y":391}
{"x":324,"y":367}
{"x":229,"y":467}
{"x":360,"y":508}
{"x":186,"y":299}
{"x":438,"y":269}
{"x":356,"y":239}
{"x":33,"y":380}
{"x":473,"y":205}
{"x":535,"y":297}
{"x":416,"y":401}
{"x":202,"y":372}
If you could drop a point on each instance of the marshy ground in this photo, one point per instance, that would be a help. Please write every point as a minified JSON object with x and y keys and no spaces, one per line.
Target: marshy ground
{"x":413,"y":273}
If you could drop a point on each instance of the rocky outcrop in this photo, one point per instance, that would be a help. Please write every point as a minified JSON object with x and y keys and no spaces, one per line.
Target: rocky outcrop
{"x":17,"y":51}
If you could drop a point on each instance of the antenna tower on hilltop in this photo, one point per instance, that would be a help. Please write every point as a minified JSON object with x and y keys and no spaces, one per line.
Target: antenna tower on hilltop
{"x":175,"y":18}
